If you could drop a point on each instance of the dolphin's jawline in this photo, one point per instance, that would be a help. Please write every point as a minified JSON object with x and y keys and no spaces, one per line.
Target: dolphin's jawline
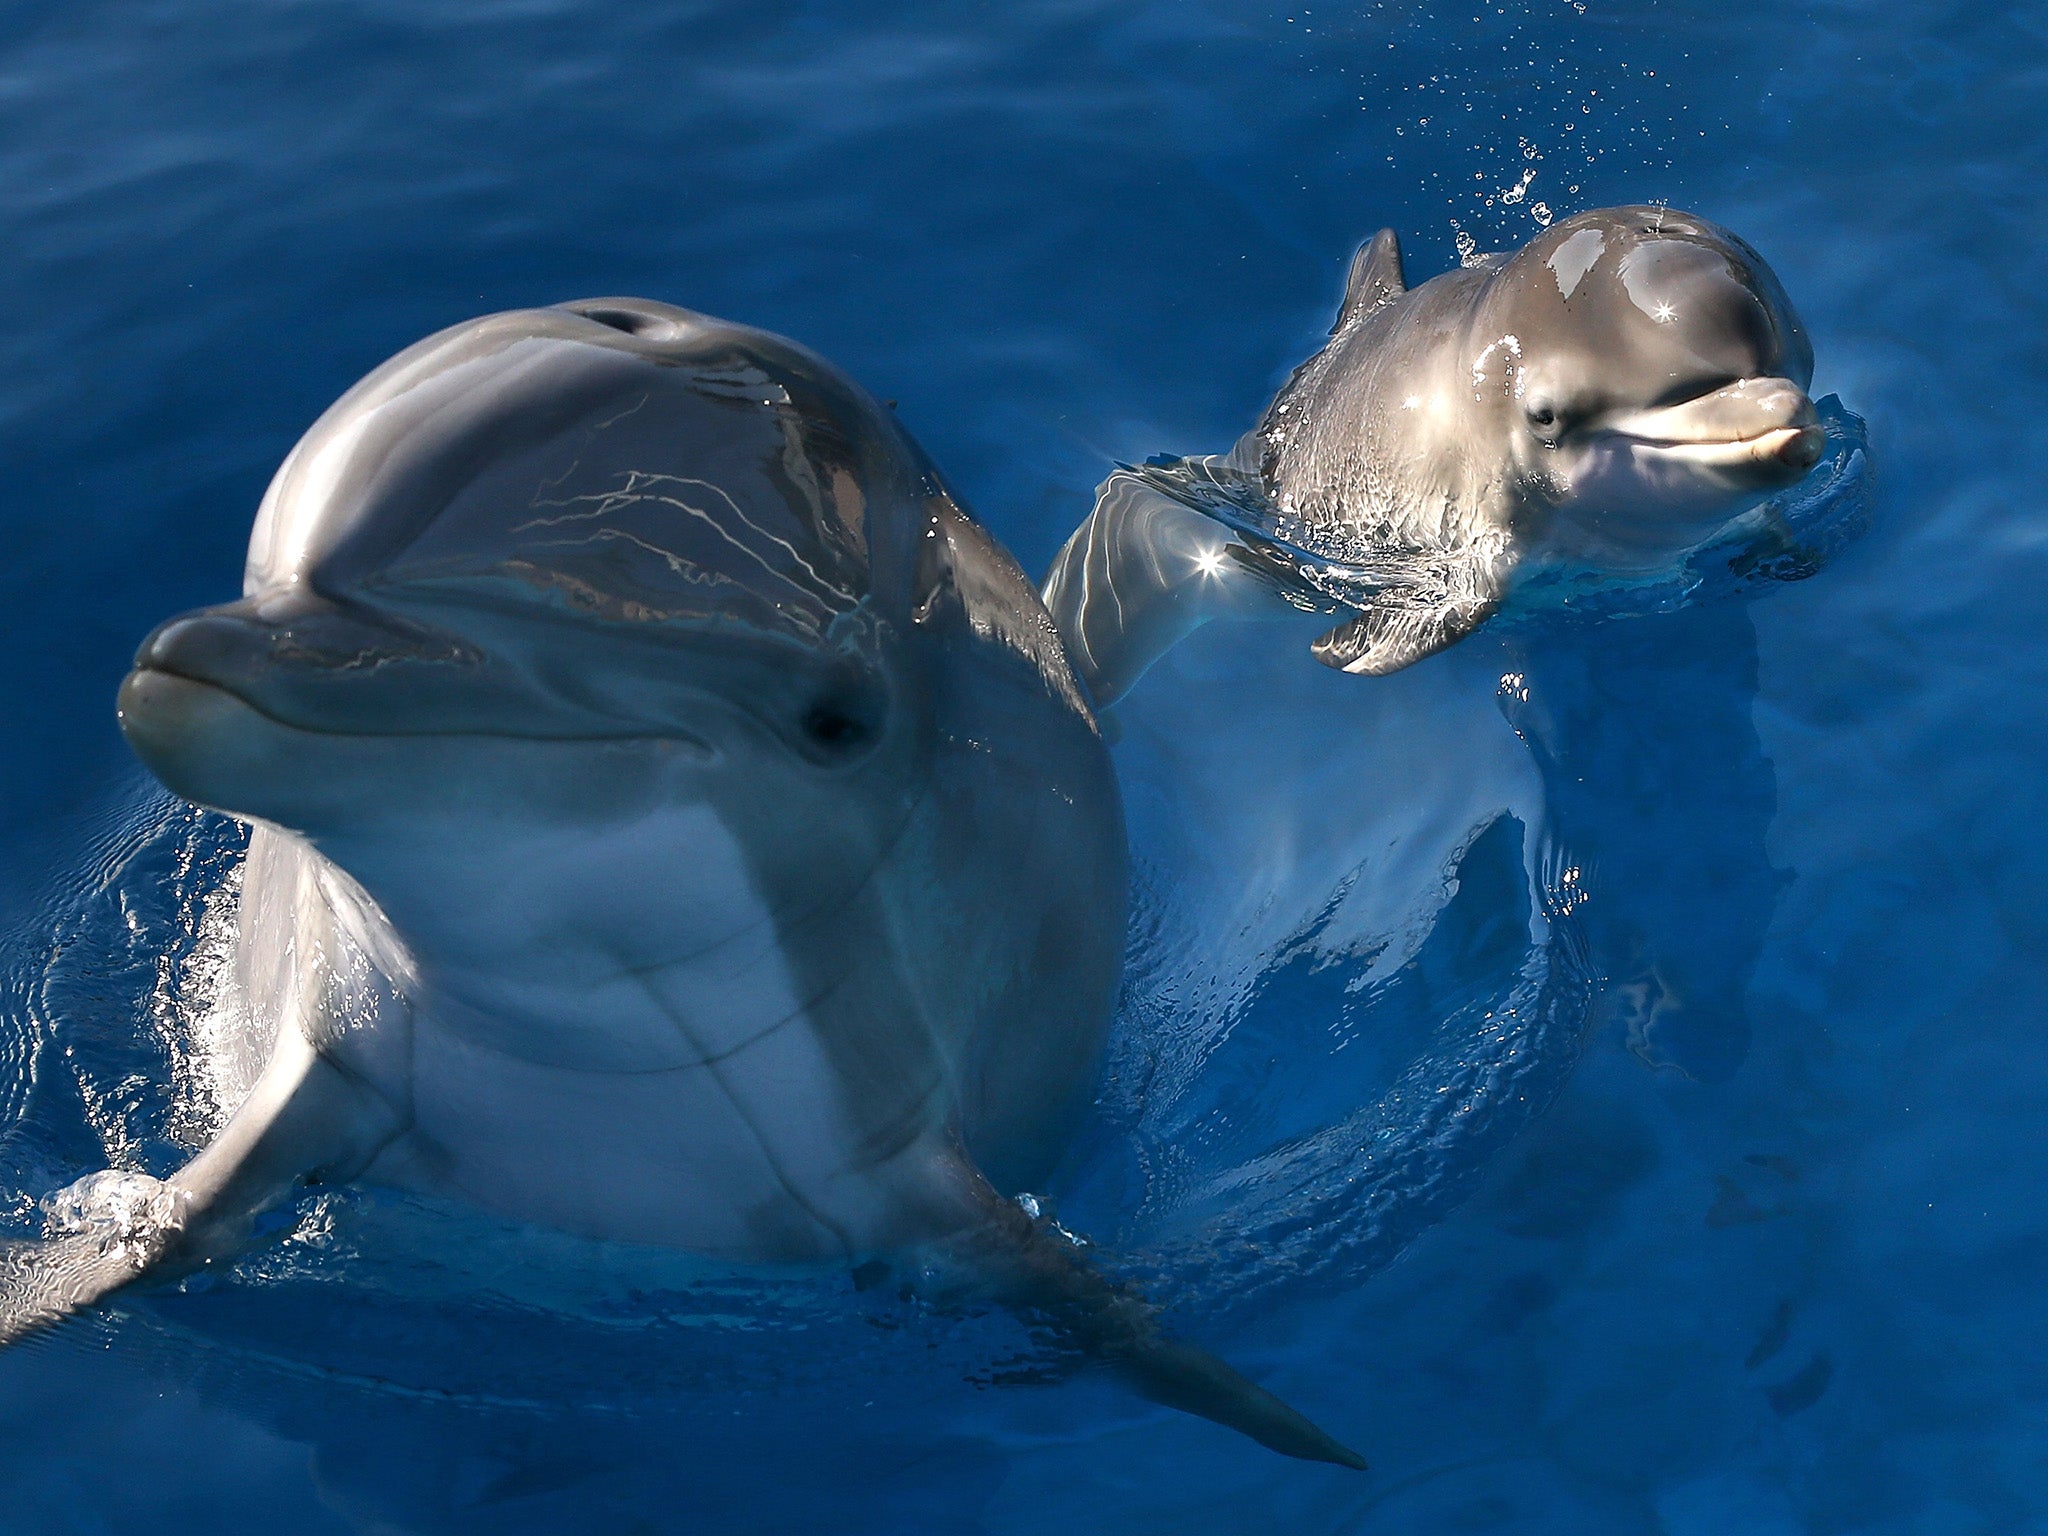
{"x":702,"y":747}
{"x":1727,"y":452}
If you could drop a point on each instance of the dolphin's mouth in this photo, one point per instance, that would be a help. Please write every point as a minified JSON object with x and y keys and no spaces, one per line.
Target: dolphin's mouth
{"x":1757,"y":425}
{"x":1791,"y":448}
{"x":345,"y":669}
{"x":142,"y":695}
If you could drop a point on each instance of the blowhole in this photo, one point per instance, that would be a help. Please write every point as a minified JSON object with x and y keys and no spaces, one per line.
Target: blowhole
{"x":634,"y":322}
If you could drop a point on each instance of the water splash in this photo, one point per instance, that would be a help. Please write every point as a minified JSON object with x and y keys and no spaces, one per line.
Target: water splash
{"x":128,"y":1211}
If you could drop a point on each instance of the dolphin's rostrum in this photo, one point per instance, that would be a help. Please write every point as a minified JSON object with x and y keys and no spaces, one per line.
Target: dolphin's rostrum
{"x":675,"y":821}
{"x":1607,"y":399}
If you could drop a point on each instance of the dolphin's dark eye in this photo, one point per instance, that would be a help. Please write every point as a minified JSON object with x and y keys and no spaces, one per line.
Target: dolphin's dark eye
{"x":832,"y":727}
{"x":841,"y":718}
{"x":1543,"y":419}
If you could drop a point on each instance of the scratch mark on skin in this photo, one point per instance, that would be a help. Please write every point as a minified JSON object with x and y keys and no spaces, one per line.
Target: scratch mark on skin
{"x":635,"y":491}
{"x":577,"y":463}
{"x":839,"y":1233}
{"x":800,"y":1011}
{"x":612,"y":421}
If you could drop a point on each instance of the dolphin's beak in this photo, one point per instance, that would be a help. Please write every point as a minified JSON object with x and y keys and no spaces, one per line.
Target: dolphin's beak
{"x":343,"y":667}
{"x":1753,"y":429}
{"x":312,"y":664}
{"x":213,"y":694}
{"x":302,"y":659}
{"x":236,"y":643}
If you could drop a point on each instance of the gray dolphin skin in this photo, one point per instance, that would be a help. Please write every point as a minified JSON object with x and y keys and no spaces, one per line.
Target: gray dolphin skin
{"x":1606,"y":399}
{"x":675,"y":821}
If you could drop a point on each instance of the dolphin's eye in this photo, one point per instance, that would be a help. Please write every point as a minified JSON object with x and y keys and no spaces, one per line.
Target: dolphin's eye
{"x":832,"y":727}
{"x":842,"y":716}
{"x":841,"y":724}
{"x":1544,"y":419}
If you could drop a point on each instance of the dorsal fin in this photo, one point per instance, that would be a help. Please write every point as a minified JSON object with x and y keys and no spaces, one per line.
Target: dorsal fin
{"x":1375,"y":277}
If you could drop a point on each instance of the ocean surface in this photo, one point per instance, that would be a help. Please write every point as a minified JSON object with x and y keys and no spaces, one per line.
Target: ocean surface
{"x":1646,"y":1020}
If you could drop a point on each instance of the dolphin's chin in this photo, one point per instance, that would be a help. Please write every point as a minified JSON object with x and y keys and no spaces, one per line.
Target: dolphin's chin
{"x":203,"y":741}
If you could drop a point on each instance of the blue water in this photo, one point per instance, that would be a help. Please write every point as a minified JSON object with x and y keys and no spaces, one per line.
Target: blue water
{"x":1748,"y":1239}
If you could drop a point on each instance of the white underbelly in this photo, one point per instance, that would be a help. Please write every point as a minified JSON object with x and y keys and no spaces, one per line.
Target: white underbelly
{"x":664,"y":1083}
{"x":752,"y":1157}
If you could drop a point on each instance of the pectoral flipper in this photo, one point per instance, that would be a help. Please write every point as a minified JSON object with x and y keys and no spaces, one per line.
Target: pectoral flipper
{"x":1029,"y":1264}
{"x":305,"y":1121}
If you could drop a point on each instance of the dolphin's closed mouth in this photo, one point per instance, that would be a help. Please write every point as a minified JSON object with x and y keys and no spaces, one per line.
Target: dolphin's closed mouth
{"x":1796,"y":448}
{"x":1751,"y":423}
{"x":142,"y":693}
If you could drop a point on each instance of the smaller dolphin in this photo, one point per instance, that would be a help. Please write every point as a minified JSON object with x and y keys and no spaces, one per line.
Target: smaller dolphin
{"x":1609,"y":398}
{"x":675,"y":822}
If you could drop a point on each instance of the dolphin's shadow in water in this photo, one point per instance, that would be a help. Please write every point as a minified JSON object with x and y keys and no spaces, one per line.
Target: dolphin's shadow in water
{"x":1654,"y":772}
{"x":866,"y":1459}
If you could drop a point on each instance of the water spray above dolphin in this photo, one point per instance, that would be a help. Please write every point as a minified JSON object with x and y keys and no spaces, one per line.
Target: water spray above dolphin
{"x":1589,"y":410}
{"x":675,"y":822}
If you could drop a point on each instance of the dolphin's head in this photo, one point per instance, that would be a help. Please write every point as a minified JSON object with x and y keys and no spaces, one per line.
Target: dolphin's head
{"x":547,"y":596}
{"x":1650,"y":375}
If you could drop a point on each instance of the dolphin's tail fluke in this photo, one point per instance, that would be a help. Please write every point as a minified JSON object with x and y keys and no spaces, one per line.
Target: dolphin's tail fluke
{"x":1029,"y":1263}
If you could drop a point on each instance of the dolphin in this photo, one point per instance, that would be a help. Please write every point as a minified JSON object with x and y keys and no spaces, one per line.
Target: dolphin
{"x":1606,"y":400}
{"x":675,"y":821}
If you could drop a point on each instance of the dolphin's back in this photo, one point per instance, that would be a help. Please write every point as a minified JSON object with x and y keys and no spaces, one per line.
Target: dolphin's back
{"x":1348,"y":445}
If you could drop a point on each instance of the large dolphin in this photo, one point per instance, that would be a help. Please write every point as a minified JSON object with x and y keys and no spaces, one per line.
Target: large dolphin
{"x":675,"y":822}
{"x":1607,"y":399}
